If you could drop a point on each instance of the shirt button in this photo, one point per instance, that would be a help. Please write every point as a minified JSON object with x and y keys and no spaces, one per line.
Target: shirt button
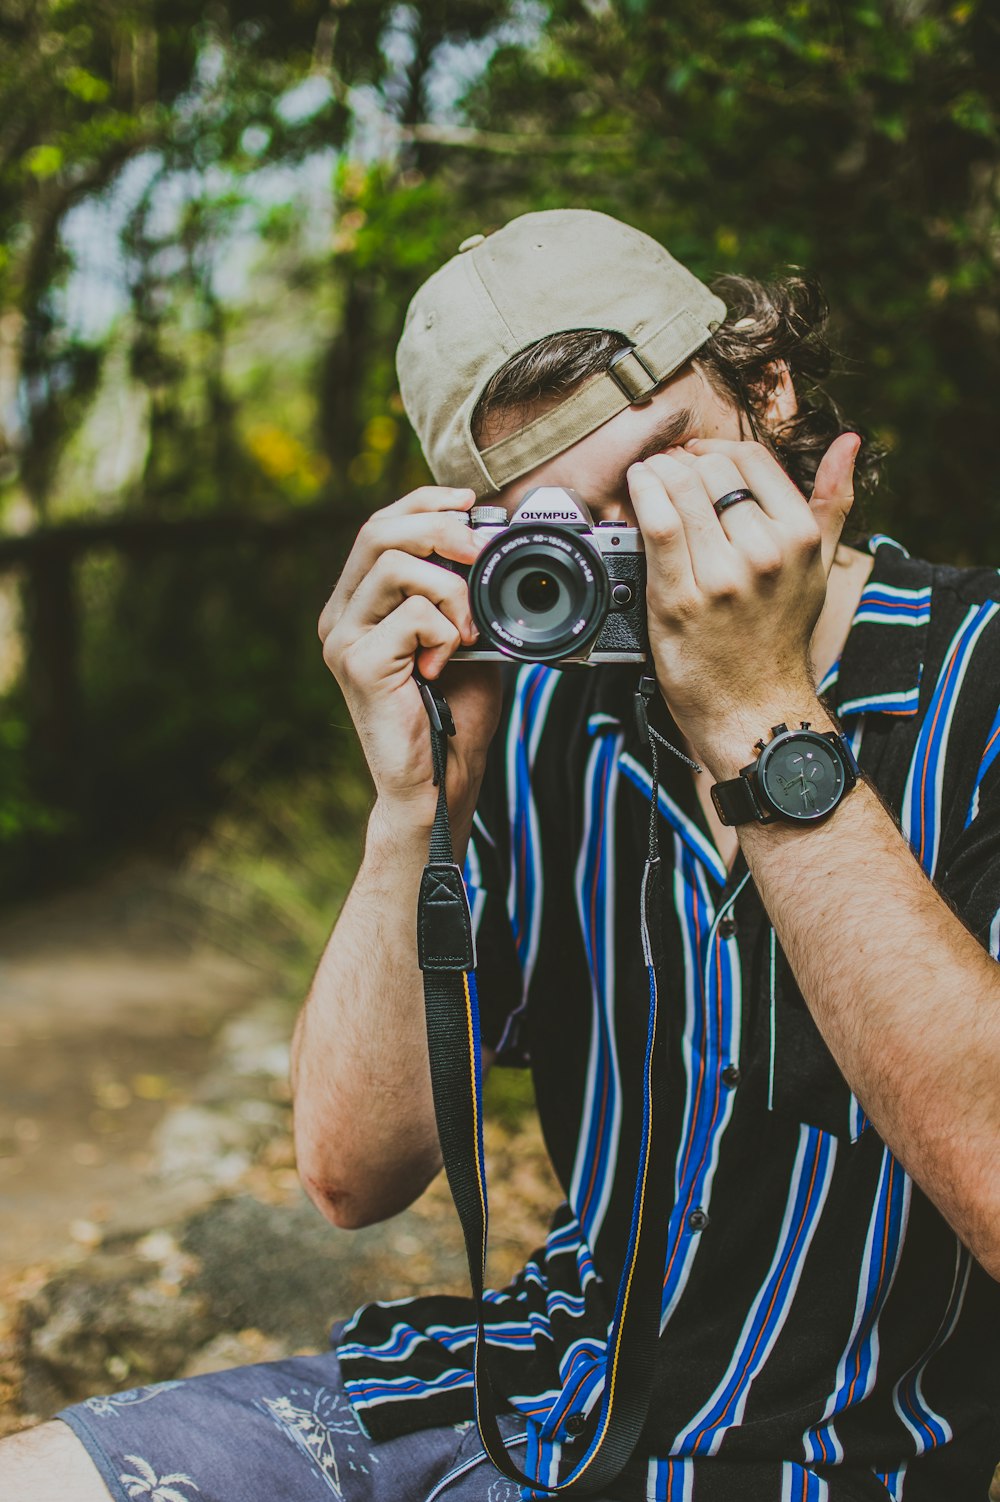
{"x":727,"y":926}
{"x":697,"y":1220}
{"x":731,"y":1075}
{"x":575,"y":1423}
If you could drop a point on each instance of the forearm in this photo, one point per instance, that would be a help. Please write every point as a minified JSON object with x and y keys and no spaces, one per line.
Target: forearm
{"x":364,"y":1119}
{"x":365,"y":1130}
{"x":905,"y":997}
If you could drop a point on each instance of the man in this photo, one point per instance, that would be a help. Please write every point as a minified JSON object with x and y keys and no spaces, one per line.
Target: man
{"x":830,"y":1112}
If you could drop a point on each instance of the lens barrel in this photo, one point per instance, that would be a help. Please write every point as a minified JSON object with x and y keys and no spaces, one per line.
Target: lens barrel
{"x":539,"y":594}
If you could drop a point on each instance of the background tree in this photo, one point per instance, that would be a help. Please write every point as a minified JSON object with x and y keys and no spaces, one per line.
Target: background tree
{"x":211,"y":221}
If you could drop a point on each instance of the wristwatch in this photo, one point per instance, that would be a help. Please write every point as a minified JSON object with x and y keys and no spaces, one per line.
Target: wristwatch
{"x":800,"y":776}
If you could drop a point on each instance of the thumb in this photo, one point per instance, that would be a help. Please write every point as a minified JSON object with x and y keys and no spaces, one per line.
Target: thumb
{"x":833,"y":491}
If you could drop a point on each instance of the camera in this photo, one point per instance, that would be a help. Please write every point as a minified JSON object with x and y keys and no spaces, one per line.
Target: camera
{"x":551,"y":585}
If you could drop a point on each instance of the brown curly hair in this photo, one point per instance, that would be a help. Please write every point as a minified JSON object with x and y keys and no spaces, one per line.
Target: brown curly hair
{"x":766,"y":323}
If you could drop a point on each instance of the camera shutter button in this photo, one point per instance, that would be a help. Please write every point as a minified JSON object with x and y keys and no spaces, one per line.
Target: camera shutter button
{"x":622,"y":594}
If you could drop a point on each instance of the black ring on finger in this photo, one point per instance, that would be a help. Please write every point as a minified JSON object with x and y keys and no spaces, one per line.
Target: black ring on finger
{"x":732,"y":498}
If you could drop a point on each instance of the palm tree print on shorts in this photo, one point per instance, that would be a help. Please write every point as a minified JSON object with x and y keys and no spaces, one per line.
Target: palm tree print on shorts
{"x":155,"y":1488}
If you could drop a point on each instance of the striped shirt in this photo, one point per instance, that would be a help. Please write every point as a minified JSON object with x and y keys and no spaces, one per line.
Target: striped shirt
{"x":824,"y":1333}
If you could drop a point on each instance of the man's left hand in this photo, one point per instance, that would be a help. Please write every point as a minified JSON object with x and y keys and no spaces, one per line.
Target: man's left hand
{"x":733,"y":599}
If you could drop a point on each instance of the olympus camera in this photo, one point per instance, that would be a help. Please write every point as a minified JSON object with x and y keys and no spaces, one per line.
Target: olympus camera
{"x":551,"y":585}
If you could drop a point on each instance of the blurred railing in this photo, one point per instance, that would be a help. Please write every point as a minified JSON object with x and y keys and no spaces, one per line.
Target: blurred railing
{"x":70,"y":755}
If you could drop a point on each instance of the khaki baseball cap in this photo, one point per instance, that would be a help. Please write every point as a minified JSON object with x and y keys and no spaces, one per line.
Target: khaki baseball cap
{"x":542,"y":274}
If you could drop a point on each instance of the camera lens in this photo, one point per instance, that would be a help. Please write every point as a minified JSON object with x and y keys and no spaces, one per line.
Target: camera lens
{"x":533,"y":601}
{"x":537,"y":592}
{"x":540,"y":595}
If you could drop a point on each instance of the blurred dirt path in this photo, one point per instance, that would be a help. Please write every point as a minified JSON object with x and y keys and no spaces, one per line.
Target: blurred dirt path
{"x":146,"y":1148}
{"x":108,"y":1007}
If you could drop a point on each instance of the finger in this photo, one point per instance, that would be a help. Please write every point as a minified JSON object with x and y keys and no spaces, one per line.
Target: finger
{"x":833,"y":492}
{"x":745,"y":524}
{"x":416,"y":631}
{"x":433,"y":498}
{"x":446,"y":533}
{"x":708,"y":546}
{"x":776,"y":493}
{"x":668,"y":559}
{"x":394,"y":578}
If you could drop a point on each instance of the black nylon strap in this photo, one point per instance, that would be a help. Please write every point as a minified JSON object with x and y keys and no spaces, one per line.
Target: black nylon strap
{"x":446,"y":958}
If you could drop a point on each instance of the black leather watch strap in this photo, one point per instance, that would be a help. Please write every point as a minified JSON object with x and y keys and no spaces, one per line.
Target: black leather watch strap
{"x":735,"y":802}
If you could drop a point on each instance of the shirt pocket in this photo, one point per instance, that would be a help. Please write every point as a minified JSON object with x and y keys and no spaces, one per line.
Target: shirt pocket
{"x":804,"y":1080}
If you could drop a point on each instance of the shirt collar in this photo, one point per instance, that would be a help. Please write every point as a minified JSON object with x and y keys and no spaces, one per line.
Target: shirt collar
{"x":879,"y":669}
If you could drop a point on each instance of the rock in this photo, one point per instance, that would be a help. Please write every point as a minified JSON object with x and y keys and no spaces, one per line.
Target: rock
{"x":240,"y":1281}
{"x":242,"y":1348}
{"x":222,"y":1261}
{"x":110,"y":1323}
{"x":210,"y":1141}
{"x":213,"y":1146}
{"x":279,"y":1268}
{"x":257,"y":1041}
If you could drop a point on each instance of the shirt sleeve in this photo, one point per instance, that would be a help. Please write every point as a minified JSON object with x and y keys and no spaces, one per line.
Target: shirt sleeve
{"x":499,"y":981}
{"x":971,"y":881}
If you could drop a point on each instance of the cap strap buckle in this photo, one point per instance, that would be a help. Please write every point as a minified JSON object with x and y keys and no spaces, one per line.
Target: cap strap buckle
{"x":627,"y":369}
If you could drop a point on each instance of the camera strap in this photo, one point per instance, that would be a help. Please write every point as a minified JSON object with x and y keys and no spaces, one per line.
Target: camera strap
{"x":446,"y":949}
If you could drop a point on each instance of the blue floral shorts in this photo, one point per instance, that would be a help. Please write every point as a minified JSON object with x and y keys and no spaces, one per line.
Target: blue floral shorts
{"x":282,"y":1431}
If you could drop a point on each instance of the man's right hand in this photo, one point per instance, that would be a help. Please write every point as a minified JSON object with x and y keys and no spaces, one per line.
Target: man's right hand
{"x":392,"y":609}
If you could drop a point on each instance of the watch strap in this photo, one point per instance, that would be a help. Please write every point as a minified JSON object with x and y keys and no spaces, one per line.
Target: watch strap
{"x":735,"y":802}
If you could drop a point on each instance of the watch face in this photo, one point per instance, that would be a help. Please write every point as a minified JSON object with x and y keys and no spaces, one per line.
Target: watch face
{"x":801,"y":775}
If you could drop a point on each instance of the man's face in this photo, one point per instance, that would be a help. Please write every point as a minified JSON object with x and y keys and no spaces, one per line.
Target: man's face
{"x":686,"y":407}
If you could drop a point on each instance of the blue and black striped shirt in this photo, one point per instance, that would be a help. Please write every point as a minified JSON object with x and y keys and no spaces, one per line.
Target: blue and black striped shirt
{"x":824,"y":1334}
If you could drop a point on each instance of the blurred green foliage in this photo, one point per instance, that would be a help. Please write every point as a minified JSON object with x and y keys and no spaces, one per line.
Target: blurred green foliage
{"x":211,"y":220}
{"x":269,"y":879}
